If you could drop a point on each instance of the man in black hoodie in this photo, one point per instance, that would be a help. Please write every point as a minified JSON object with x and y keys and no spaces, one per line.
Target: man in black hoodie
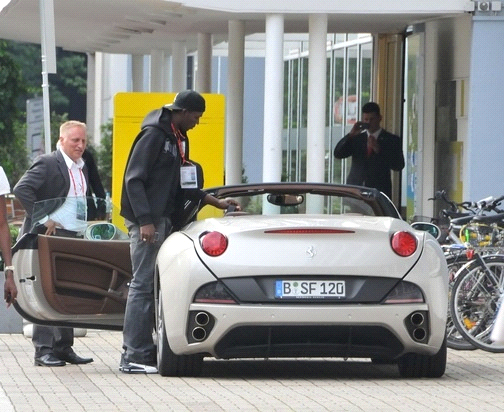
{"x":152,"y":187}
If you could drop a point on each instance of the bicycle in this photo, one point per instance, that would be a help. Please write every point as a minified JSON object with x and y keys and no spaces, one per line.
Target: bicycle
{"x":478,"y":290}
{"x":460,"y":216}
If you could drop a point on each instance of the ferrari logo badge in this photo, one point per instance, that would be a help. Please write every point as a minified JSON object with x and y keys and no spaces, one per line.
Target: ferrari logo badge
{"x":310,"y":252}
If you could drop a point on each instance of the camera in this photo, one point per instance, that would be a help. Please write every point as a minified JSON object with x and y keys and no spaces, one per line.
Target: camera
{"x":363,"y":126}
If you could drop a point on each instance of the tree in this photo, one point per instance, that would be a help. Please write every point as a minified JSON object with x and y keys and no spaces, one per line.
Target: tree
{"x":20,"y":72}
{"x":12,"y":139}
{"x":21,"y":79}
{"x":67,"y":88}
{"x":104,"y":157}
{"x":11,"y":87}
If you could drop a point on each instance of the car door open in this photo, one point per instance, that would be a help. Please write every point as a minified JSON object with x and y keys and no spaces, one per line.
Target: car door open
{"x":74,"y":278}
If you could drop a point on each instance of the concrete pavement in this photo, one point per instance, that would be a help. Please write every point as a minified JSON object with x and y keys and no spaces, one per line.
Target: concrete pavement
{"x":473,"y":381}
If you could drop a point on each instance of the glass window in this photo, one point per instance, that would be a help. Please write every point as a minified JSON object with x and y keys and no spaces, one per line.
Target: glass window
{"x":338,"y":74}
{"x":352,"y":85}
{"x":348,"y":86}
{"x":341,"y":37}
{"x":296,"y":203}
{"x":366,"y":73}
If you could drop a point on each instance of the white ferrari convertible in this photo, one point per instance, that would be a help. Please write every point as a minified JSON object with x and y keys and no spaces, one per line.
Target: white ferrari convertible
{"x":301,"y":270}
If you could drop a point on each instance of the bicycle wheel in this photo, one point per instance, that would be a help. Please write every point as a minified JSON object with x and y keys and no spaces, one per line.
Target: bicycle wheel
{"x":454,"y":340}
{"x":474,"y":301}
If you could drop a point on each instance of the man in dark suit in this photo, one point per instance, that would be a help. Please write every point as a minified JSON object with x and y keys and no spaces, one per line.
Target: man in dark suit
{"x":375,"y":152}
{"x":60,"y":174}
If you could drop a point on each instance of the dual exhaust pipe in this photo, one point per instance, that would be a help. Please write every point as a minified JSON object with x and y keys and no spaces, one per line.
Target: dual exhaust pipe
{"x":200,"y":325}
{"x":199,"y":333}
{"x":418,"y":320}
{"x":418,"y":326}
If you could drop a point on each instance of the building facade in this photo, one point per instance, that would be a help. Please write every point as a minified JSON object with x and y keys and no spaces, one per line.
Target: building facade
{"x":433,"y":66}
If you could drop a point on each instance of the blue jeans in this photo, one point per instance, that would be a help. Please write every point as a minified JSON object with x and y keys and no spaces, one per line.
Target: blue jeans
{"x":139,"y":315}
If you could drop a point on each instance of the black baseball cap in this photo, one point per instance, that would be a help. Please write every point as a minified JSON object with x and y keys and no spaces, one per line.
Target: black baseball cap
{"x":188,"y":100}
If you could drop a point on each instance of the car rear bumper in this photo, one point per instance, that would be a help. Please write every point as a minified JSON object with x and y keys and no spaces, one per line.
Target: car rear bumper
{"x":385,"y":331}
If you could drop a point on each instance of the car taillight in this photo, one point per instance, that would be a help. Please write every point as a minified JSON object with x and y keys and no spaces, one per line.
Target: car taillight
{"x":213,"y":243}
{"x":405,"y":292}
{"x":308,"y":231}
{"x":214,"y":292}
{"x":404,"y":243}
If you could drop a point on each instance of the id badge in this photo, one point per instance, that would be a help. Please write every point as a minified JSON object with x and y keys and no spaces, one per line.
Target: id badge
{"x":188,"y":177}
{"x":81,"y":212}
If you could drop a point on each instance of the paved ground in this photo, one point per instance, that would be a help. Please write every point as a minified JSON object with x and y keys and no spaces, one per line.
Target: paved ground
{"x":473,"y":381}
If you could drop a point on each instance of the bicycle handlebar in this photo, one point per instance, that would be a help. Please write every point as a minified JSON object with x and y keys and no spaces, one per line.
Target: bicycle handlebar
{"x":490,"y":203}
{"x":454,"y":207}
{"x":486,"y":204}
{"x":483,"y":203}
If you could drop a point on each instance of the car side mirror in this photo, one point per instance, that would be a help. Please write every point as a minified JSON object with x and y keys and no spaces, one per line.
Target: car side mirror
{"x":101,"y":231}
{"x":430,"y":228}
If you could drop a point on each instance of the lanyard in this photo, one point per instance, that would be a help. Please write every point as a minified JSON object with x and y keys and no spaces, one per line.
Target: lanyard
{"x":180,"y":138}
{"x":81,"y":182}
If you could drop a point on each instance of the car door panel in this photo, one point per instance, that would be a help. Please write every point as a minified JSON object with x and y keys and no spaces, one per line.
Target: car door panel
{"x":80,"y":276}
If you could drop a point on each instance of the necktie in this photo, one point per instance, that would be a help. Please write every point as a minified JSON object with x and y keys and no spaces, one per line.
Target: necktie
{"x":371,"y":141}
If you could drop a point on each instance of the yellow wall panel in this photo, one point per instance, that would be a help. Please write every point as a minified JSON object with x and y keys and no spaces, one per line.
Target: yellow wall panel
{"x":206,"y":139}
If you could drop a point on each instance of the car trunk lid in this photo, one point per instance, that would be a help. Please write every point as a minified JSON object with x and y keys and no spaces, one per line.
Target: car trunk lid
{"x":312,"y":245}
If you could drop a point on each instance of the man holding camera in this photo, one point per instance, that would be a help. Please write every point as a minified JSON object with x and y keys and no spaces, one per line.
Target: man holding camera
{"x":375,"y":152}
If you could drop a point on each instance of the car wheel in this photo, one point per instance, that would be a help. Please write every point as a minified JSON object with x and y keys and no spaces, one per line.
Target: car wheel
{"x":413,"y":365}
{"x":170,"y":364}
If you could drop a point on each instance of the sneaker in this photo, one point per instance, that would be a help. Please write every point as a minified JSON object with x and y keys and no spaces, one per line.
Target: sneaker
{"x":131,"y":367}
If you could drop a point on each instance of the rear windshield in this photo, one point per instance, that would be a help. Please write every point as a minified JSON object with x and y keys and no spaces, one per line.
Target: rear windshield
{"x":307,"y":203}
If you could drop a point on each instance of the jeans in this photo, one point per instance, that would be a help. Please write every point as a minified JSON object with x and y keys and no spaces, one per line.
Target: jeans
{"x":138,"y":344}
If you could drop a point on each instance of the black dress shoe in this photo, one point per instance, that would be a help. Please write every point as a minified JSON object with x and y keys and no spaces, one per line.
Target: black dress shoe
{"x":72,"y":357}
{"x":48,"y":360}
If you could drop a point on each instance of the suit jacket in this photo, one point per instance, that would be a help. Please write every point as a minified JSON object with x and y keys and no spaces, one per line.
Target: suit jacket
{"x":94,"y":211}
{"x":47,"y":178}
{"x":373,"y":170}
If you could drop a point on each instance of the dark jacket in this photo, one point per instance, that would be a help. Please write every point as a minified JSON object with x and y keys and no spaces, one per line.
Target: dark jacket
{"x":47,"y":178}
{"x":94,"y":210}
{"x":373,"y":170}
{"x":151,"y":185}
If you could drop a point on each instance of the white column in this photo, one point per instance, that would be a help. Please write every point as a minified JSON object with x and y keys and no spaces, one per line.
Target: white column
{"x":315,"y":141}
{"x":234,"y":103}
{"x":273,"y":99}
{"x":137,"y":72}
{"x":204,"y":72}
{"x":167,"y":84}
{"x":273,"y":104}
{"x":90,"y":94}
{"x":179,"y":66}
{"x":48,"y":56}
{"x":157,"y":71}
{"x":98,"y":94}
{"x":483,"y":156}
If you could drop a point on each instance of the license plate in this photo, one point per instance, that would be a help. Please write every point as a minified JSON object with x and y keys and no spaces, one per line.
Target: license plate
{"x":304,"y":289}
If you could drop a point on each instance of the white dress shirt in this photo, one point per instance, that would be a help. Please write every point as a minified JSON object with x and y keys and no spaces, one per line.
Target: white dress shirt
{"x":72,"y":214}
